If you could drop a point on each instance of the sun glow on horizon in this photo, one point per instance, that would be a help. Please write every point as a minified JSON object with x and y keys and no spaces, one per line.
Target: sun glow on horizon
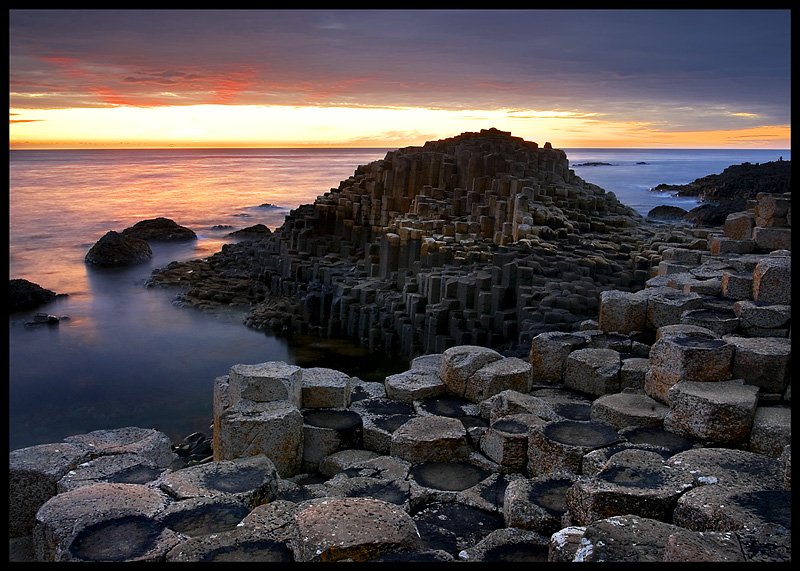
{"x":294,"y":126}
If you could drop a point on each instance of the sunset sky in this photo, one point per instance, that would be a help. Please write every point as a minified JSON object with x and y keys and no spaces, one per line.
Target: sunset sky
{"x":374,"y":78}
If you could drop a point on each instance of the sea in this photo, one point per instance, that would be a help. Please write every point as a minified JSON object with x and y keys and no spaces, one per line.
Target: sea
{"x":123,"y":354}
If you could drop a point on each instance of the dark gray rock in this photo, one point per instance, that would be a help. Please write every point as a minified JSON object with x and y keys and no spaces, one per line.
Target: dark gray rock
{"x":114,"y":249}
{"x":24,"y":295}
{"x":159,"y":230}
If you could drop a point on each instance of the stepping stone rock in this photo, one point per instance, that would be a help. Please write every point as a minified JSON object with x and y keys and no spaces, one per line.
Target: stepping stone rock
{"x":772,"y":430}
{"x":666,"y":307}
{"x":628,"y":409}
{"x":764,"y":362}
{"x":380,"y":418}
{"x":453,"y":527}
{"x":326,"y":431}
{"x":632,"y":482}
{"x":237,"y":545}
{"x":87,"y":523}
{"x":506,"y":441}
{"x":722,"y":508}
{"x":731,"y":468}
{"x":628,"y":538}
{"x":146,"y":442}
{"x":413,"y":385}
{"x":325,"y":388}
{"x":117,"y":468}
{"x":33,"y":476}
{"x":721,"y":323}
{"x":357,"y":529}
{"x":266,"y":382}
{"x":561,"y":445}
{"x":251,"y":480}
{"x":204,"y":515}
{"x":431,"y":439}
{"x":507,"y":373}
{"x":720,"y":413}
{"x":252,"y":428}
{"x":513,"y":402}
{"x":593,"y":371}
{"x":548,"y":354}
{"x":461,"y":362}
{"x":508,"y":545}
{"x":622,"y":312}
{"x":343,"y":460}
{"x":772,"y":280}
{"x":681,"y":358}
{"x":538,"y":504}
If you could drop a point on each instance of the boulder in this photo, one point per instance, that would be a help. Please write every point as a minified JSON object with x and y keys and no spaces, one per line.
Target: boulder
{"x":24,"y":295}
{"x":159,"y":230}
{"x":114,"y":249}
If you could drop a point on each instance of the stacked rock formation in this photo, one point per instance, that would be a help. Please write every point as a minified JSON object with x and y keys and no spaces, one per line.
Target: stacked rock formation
{"x":483,"y":239}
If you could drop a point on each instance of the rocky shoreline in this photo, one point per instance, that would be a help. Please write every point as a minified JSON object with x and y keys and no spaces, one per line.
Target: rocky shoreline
{"x":584,"y":385}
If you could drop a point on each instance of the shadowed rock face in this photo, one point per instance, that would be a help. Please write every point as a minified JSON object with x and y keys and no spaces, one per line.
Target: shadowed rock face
{"x":114,"y":249}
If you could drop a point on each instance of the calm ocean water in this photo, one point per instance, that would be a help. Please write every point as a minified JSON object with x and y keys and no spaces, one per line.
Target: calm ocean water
{"x":126,"y":356}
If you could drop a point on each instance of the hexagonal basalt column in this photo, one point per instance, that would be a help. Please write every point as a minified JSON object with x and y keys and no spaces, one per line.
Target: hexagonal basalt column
{"x":325,"y":388}
{"x":679,"y":358}
{"x":506,"y":441}
{"x":461,"y":362}
{"x":538,"y":504}
{"x":87,"y":524}
{"x":266,"y":382}
{"x":666,"y":307}
{"x":593,"y":371}
{"x":622,"y":312}
{"x":764,"y":362}
{"x":632,"y":482}
{"x":326,"y":431}
{"x":272,"y":428}
{"x":508,"y":373}
{"x":720,"y":413}
{"x":431,"y":439}
{"x":561,"y":445}
{"x":548,"y":354}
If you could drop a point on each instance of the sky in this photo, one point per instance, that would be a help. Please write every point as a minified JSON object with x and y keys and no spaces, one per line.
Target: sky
{"x":394,"y":78}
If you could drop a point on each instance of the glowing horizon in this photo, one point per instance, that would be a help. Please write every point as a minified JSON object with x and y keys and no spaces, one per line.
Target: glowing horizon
{"x":254,"y":126}
{"x":395,"y":78}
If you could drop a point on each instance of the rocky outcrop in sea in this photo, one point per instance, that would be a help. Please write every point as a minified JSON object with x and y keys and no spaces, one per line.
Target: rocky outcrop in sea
{"x":659,"y":429}
{"x":483,"y":239}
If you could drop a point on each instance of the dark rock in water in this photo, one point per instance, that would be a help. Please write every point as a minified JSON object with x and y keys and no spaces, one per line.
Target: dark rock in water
{"x":254,"y":232}
{"x":268,"y":205}
{"x":593,"y":164}
{"x":715,"y":214}
{"x":665,"y":212}
{"x":159,"y":230}
{"x":743,"y":181}
{"x":114,"y":249}
{"x":24,"y":295}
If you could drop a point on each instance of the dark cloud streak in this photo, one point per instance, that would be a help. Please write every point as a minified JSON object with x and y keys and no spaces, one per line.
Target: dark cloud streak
{"x":621,"y":63}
